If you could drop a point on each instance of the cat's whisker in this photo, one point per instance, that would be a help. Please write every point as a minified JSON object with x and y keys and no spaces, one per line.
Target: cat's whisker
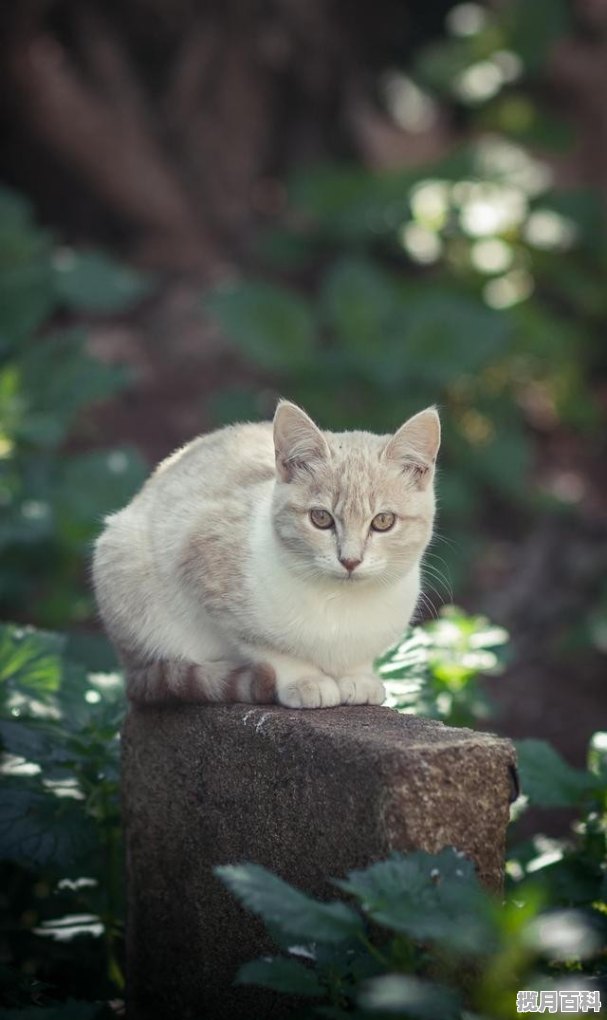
{"x":433,"y":555}
{"x":440,"y":579}
{"x":429,"y":589}
{"x":432,"y":558}
{"x":438,"y":537}
{"x":436,"y":575}
{"x":439,"y":598}
{"x":428,"y":604}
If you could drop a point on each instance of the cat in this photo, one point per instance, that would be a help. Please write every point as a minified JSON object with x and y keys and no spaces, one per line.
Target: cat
{"x":270,"y":562}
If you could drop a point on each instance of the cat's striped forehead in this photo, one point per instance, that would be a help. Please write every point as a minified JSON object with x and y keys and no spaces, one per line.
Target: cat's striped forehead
{"x":355,"y":481}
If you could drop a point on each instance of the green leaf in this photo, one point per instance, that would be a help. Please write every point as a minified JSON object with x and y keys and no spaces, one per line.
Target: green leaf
{"x":399,"y":993}
{"x":57,"y":377}
{"x":450,"y":335}
{"x":292,"y":911}
{"x":337,"y":1013}
{"x":91,"y":485}
{"x":427,"y":897}
{"x":26,"y":299}
{"x":534,"y":28}
{"x":360,"y":303}
{"x":30,"y":660}
{"x":348,"y":962}
{"x":584,"y":207}
{"x":89,"y":281}
{"x":104,"y":712}
{"x":575,"y":880}
{"x":437,"y":65}
{"x":93,"y":651}
{"x":43,"y":830}
{"x":284,"y":248}
{"x":434,"y":670}
{"x":350,"y":203}
{"x":16,"y":212}
{"x":281,"y":975}
{"x":548,"y":780}
{"x":233,"y":404}
{"x":26,"y":292}
{"x":271,"y":325}
{"x":503,"y":462}
{"x":71,"y":1009}
{"x":36,"y":740}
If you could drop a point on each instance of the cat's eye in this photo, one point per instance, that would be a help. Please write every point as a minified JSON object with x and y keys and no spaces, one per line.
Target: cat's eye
{"x":383,"y":522}
{"x":321,"y":518}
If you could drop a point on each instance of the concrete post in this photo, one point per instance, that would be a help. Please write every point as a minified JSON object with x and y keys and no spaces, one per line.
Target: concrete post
{"x":308,"y":794}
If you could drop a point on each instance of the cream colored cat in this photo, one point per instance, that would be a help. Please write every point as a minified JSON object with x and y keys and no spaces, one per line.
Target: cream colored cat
{"x":264,"y":563}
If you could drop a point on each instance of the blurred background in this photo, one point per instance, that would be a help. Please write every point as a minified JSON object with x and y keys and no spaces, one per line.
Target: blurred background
{"x":364,"y":208}
{"x":367,"y":208}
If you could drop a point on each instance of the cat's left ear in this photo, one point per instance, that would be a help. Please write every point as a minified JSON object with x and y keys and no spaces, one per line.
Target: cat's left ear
{"x":298,"y":442}
{"x":415,"y":445}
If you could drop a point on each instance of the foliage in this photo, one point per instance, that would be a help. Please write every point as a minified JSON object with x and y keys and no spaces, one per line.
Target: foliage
{"x":71,"y":1009}
{"x":60,"y":838}
{"x":416,"y":924}
{"x":51,"y":499}
{"x":423,"y":939}
{"x":570,"y":871}
{"x":435,"y":670}
{"x":473,"y":282}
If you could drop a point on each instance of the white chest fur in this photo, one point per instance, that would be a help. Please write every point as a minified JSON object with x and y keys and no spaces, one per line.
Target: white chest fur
{"x":334,"y":625}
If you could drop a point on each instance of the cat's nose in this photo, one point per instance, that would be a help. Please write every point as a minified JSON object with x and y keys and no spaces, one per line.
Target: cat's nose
{"x":350,"y":565}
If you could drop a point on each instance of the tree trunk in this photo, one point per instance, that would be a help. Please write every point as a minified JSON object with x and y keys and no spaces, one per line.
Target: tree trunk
{"x":175,"y":119}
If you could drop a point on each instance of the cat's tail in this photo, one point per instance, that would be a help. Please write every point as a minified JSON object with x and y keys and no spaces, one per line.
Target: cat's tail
{"x":163,"y":681}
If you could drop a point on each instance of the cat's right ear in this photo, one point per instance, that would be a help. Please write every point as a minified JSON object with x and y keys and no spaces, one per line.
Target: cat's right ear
{"x":298,"y":442}
{"x":415,"y":445}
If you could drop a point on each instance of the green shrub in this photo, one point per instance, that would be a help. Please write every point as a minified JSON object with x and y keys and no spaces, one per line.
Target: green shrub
{"x":60,"y":837}
{"x":389,"y":293}
{"x":423,"y":939}
{"x":572,"y":870}
{"x":60,"y":848}
{"x":52,"y":500}
{"x":435,"y":670}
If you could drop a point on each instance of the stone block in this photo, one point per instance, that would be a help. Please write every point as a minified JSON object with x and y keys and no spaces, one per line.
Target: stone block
{"x":308,"y":794}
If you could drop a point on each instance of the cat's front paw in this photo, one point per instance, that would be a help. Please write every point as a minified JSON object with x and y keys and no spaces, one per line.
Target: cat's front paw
{"x":313,"y":691}
{"x":361,"y":690}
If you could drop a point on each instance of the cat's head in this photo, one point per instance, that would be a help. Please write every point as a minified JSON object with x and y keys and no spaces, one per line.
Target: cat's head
{"x":354,"y":506}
